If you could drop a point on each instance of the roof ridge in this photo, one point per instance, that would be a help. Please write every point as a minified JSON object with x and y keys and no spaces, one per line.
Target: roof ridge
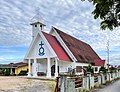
{"x":70,"y":35}
{"x":47,"y":33}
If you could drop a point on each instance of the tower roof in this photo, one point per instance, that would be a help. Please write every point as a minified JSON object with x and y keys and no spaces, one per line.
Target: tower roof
{"x":37,"y":19}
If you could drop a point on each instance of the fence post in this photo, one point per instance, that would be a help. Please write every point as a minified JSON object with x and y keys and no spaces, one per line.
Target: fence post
{"x":99,"y":79}
{"x":102,"y":78}
{"x":119,"y":73}
{"x":70,"y":85}
{"x":63,"y":82}
{"x":108,"y":76}
{"x":57,"y":84}
{"x":85,"y":84}
{"x":91,"y":81}
{"x":114,"y":76}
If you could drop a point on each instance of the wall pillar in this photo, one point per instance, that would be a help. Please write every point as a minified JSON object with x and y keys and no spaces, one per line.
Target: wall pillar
{"x":48,"y":68}
{"x":35,"y":68}
{"x":56,"y":67}
{"x":29,"y":67}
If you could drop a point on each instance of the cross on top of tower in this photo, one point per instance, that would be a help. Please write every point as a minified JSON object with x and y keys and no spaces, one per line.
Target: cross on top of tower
{"x":37,"y":18}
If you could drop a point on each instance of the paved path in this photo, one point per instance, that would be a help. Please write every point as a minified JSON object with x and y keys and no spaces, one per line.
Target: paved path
{"x":115,"y":87}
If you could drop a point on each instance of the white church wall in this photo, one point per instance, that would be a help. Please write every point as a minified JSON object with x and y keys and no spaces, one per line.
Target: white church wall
{"x":37,"y":49}
{"x":98,"y":68}
{"x":34,"y":31}
{"x":31,"y":53}
{"x":82,"y":65}
{"x":42,"y":66}
{"x":63,"y":66}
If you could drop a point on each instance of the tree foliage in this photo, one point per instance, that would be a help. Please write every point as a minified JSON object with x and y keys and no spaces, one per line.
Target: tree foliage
{"x":112,"y":69}
{"x":23,"y":72}
{"x":7,"y":72}
{"x":103,"y":69}
{"x":90,"y":69}
{"x":108,"y":11}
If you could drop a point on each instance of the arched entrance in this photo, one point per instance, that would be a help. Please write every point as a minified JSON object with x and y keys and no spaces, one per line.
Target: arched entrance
{"x":53,"y":70}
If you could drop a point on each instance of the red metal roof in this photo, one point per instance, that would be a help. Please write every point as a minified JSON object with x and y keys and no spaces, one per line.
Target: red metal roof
{"x":99,"y":62}
{"x":13,"y":65}
{"x":118,"y":67}
{"x":82,"y":51}
{"x":62,"y":55}
{"x":18,"y":64}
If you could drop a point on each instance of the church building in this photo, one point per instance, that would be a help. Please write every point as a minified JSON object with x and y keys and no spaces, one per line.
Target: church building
{"x":57,"y":52}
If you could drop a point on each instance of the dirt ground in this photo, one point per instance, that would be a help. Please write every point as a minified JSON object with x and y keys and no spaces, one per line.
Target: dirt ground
{"x":22,"y":84}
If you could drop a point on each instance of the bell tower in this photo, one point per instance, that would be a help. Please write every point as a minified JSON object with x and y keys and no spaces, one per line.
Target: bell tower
{"x":37,"y":24}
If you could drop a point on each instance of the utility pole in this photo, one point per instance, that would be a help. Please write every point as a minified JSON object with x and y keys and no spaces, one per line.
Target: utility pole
{"x":108,"y":54}
{"x":108,"y":51}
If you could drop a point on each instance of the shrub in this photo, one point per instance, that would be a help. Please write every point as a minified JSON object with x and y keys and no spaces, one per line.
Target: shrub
{"x":112,"y":70}
{"x":90,"y":69}
{"x":23,"y":72}
{"x":7,"y":72}
{"x":1,"y":72}
{"x":103,"y":69}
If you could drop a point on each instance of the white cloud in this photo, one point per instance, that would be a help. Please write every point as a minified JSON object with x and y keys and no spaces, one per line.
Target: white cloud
{"x":7,"y":50}
{"x":72,"y":16}
{"x":10,"y":58}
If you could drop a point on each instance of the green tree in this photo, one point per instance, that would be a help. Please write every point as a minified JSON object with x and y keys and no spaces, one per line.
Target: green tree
{"x":7,"y":72}
{"x":112,"y":70}
{"x":90,"y":69}
{"x":23,"y":72}
{"x":103,"y":69}
{"x":108,"y":11}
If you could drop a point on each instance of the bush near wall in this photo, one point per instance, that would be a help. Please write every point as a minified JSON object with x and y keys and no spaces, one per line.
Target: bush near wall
{"x":1,"y":72}
{"x":113,"y":70}
{"x":90,"y":69}
{"x":103,"y":69}
{"x":7,"y":72}
{"x":23,"y":72}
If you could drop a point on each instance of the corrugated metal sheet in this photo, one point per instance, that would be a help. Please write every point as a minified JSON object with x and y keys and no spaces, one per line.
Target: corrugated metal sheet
{"x":81,"y":50}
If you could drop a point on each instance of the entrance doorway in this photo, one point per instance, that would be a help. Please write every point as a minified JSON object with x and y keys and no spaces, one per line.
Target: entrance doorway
{"x":53,"y":70}
{"x":13,"y":70}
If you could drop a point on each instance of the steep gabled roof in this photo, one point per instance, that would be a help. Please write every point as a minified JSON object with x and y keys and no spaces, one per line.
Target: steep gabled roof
{"x":81,"y":50}
{"x":62,"y":55}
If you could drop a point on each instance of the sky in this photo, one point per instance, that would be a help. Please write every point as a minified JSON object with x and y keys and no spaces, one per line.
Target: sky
{"x":71,"y":16}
